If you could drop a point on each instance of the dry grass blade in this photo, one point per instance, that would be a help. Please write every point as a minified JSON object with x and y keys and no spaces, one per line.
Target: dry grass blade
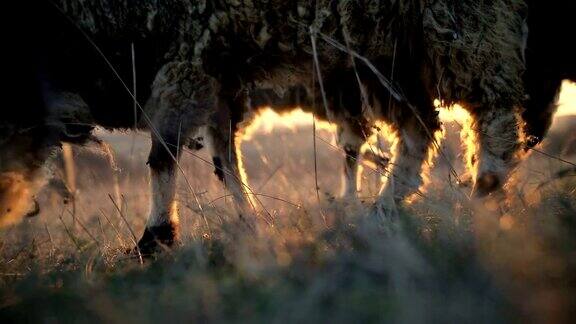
{"x":363,"y":93}
{"x":86,"y":230}
{"x":318,"y":72}
{"x":118,"y":235}
{"x":133,"y":52}
{"x":50,"y":238}
{"x":133,"y":236}
{"x":297,"y":206}
{"x":135,"y":108}
{"x":269,"y":177}
{"x":244,"y":185}
{"x":551,"y":156}
{"x":571,"y":172}
{"x":70,"y":235}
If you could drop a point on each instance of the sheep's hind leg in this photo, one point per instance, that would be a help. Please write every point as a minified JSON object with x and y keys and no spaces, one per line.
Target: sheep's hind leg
{"x":411,"y":150}
{"x":496,"y":151}
{"x":226,"y":167}
{"x":221,"y":136}
{"x":351,"y":142}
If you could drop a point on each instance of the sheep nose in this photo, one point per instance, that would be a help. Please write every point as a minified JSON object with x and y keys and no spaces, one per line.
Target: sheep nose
{"x":531,"y":141}
{"x":486,"y":184}
{"x":34,"y":211}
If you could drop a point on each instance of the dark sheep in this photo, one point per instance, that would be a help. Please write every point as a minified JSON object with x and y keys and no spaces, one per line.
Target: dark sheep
{"x":203,"y":58}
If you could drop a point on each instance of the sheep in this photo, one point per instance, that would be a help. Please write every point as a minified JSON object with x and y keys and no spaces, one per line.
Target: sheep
{"x":542,"y":79}
{"x":208,"y":56}
{"x":460,"y":57}
{"x":489,"y":159}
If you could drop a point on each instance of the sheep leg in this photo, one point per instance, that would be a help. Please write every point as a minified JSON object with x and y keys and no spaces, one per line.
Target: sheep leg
{"x":414,"y":142}
{"x":232,"y":103}
{"x":162,"y":224}
{"x":227,"y":165}
{"x":179,"y":112}
{"x":497,"y":144}
{"x":351,"y":141}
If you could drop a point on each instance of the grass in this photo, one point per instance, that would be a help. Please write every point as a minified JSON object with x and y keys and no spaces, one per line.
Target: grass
{"x":452,"y":261}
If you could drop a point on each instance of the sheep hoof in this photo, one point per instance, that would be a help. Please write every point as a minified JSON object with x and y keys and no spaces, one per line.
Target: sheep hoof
{"x":156,"y":239}
{"x":486,"y":184}
{"x":386,"y":217}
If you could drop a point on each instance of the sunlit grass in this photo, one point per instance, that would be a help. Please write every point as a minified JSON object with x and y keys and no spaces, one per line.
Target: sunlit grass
{"x":453,"y":260}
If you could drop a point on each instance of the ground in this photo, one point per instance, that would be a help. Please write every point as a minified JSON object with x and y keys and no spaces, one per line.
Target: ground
{"x":316,"y":258}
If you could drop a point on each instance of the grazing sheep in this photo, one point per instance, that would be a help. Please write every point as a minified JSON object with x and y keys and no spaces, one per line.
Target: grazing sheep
{"x":207,"y":56}
{"x":490,"y":159}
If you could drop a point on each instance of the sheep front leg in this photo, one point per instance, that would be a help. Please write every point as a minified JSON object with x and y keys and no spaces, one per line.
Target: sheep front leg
{"x":496,"y":149}
{"x":181,"y":102}
{"x":414,"y":142}
{"x":162,"y":224}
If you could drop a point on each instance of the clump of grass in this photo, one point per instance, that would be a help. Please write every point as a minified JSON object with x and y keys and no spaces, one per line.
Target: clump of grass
{"x":349,"y":272}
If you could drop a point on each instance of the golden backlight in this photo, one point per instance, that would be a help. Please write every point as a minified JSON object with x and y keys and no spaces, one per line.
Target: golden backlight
{"x":267,"y":120}
{"x":566,"y":105}
{"x":567,"y":100}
